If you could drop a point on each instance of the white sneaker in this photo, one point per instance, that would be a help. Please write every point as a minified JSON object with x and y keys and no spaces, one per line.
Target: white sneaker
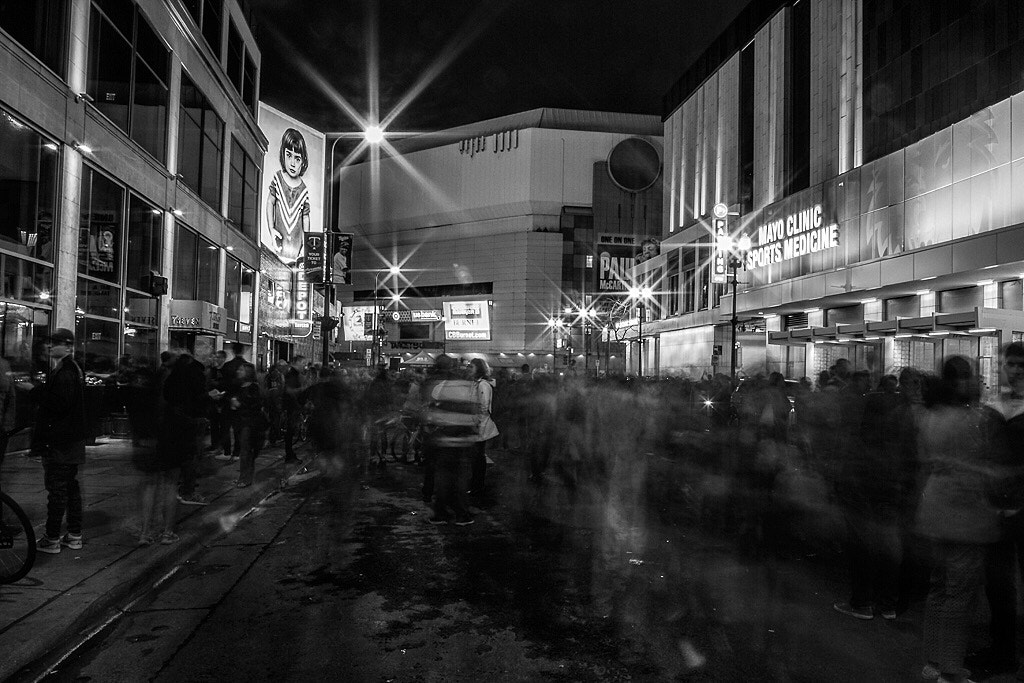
{"x":73,"y":541}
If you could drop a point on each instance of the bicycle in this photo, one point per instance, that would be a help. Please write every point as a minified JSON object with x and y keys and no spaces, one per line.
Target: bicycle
{"x":17,"y":541}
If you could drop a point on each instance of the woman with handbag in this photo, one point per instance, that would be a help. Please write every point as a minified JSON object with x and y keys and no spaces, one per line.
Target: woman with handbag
{"x":485,"y":425}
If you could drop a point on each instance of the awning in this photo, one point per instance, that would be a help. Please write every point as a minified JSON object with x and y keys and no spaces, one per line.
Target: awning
{"x":979,"y":322}
{"x":423,"y":359}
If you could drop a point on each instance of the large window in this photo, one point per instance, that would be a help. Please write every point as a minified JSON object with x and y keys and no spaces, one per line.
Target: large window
{"x":200,"y":144}
{"x":196,"y":267}
{"x":207,"y":15}
{"x":236,"y":53}
{"x":99,"y":233}
{"x":129,"y":72}
{"x":145,"y":240}
{"x":39,"y":26}
{"x":243,"y":190}
{"x":239,"y":297}
{"x":241,"y":68}
{"x":29,"y":167}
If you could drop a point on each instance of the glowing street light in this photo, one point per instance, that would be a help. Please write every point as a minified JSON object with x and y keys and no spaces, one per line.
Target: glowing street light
{"x":373,"y":135}
{"x":640,"y":296}
{"x":393,"y":271}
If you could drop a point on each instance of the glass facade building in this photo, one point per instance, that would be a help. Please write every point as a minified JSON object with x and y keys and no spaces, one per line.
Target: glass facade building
{"x":877,"y":189}
{"x":131,"y":154}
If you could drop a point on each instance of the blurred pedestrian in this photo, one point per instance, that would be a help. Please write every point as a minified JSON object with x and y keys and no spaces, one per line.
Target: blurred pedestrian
{"x":215,"y":414}
{"x":160,"y":469}
{"x":450,"y":437}
{"x":59,"y":439}
{"x":486,"y":429}
{"x":292,"y":401}
{"x":249,"y":421}
{"x":274,"y":382}
{"x":229,"y":385}
{"x":956,"y":515}
{"x":186,"y":406}
{"x":1005,"y":430}
{"x":877,"y":478}
{"x":377,"y":404}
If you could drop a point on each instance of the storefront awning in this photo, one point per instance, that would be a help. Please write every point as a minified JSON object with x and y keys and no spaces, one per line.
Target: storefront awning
{"x":979,"y":322}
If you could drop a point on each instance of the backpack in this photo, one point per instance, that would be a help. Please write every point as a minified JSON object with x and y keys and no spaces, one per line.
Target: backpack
{"x":450,"y":415}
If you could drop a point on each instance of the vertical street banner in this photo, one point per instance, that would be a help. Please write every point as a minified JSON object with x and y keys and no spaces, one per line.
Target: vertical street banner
{"x":313,"y":268}
{"x":341,"y":258}
{"x":720,"y":271}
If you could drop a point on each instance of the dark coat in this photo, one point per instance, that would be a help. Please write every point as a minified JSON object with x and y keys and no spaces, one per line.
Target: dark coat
{"x":60,"y":430}
{"x":229,"y":382}
{"x":185,"y":389}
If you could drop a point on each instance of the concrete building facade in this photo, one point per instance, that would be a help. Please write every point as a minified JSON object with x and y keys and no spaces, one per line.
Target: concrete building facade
{"x":502,"y":215}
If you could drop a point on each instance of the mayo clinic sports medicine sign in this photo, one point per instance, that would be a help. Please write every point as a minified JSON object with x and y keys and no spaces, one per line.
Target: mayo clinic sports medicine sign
{"x":467,"y":320}
{"x":791,"y":236}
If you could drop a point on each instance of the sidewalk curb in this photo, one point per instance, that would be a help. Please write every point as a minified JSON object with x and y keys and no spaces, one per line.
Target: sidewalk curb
{"x":118,"y":586}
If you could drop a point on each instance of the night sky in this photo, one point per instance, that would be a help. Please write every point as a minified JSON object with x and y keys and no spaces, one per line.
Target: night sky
{"x":509,"y":55}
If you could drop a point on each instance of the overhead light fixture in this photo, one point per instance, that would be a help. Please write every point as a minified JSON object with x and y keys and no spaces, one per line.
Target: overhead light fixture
{"x":52,"y":146}
{"x":995,"y":265}
{"x":82,"y":147}
{"x":872,"y":338}
{"x":922,"y":292}
{"x":869,"y":301}
{"x":229,"y":248}
{"x":903,"y":336}
{"x":982,"y":283}
{"x":176,"y":212}
{"x":84,"y":97}
{"x":981,"y":330}
{"x":930,"y":277}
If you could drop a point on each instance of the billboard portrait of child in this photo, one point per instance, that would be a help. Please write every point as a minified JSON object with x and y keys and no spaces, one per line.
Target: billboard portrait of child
{"x":288,"y":199}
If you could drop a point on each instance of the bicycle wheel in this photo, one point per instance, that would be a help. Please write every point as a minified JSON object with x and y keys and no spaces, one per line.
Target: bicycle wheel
{"x":17,"y":541}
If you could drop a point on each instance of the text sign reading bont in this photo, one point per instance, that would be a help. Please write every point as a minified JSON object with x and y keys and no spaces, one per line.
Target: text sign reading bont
{"x":799,"y":233}
{"x":467,"y":320}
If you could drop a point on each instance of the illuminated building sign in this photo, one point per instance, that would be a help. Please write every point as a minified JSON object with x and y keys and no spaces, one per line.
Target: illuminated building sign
{"x":799,"y":233}
{"x":721,"y":268}
{"x":467,"y":320}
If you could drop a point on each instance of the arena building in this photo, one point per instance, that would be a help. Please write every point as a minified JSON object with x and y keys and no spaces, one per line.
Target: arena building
{"x":510,"y":239}
{"x":872,"y":152}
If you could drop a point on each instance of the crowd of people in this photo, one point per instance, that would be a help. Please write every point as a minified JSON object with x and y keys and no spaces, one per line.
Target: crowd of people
{"x":922,"y":481}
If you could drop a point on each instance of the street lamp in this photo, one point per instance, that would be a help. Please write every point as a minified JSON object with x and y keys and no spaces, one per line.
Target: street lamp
{"x":555,"y":324}
{"x":640,"y":296}
{"x":587,"y":315}
{"x":395,"y":271}
{"x":737,"y":250}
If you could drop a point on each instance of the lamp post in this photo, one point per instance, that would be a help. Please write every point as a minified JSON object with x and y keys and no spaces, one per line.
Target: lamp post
{"x":555,"y":324}
{"x":640,"y":296}
{"x":738,"y":249}
{"x":393,"y":270}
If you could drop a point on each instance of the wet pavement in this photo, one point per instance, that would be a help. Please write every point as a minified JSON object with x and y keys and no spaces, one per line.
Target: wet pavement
{"x":342,"y":578}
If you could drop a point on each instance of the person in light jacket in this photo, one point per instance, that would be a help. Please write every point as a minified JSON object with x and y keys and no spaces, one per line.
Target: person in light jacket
{"x":956,"y":515}
{"x":481,"y":374}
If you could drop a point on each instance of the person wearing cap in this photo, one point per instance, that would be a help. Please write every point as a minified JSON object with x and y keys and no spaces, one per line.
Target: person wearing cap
{"x":59,"y":439}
